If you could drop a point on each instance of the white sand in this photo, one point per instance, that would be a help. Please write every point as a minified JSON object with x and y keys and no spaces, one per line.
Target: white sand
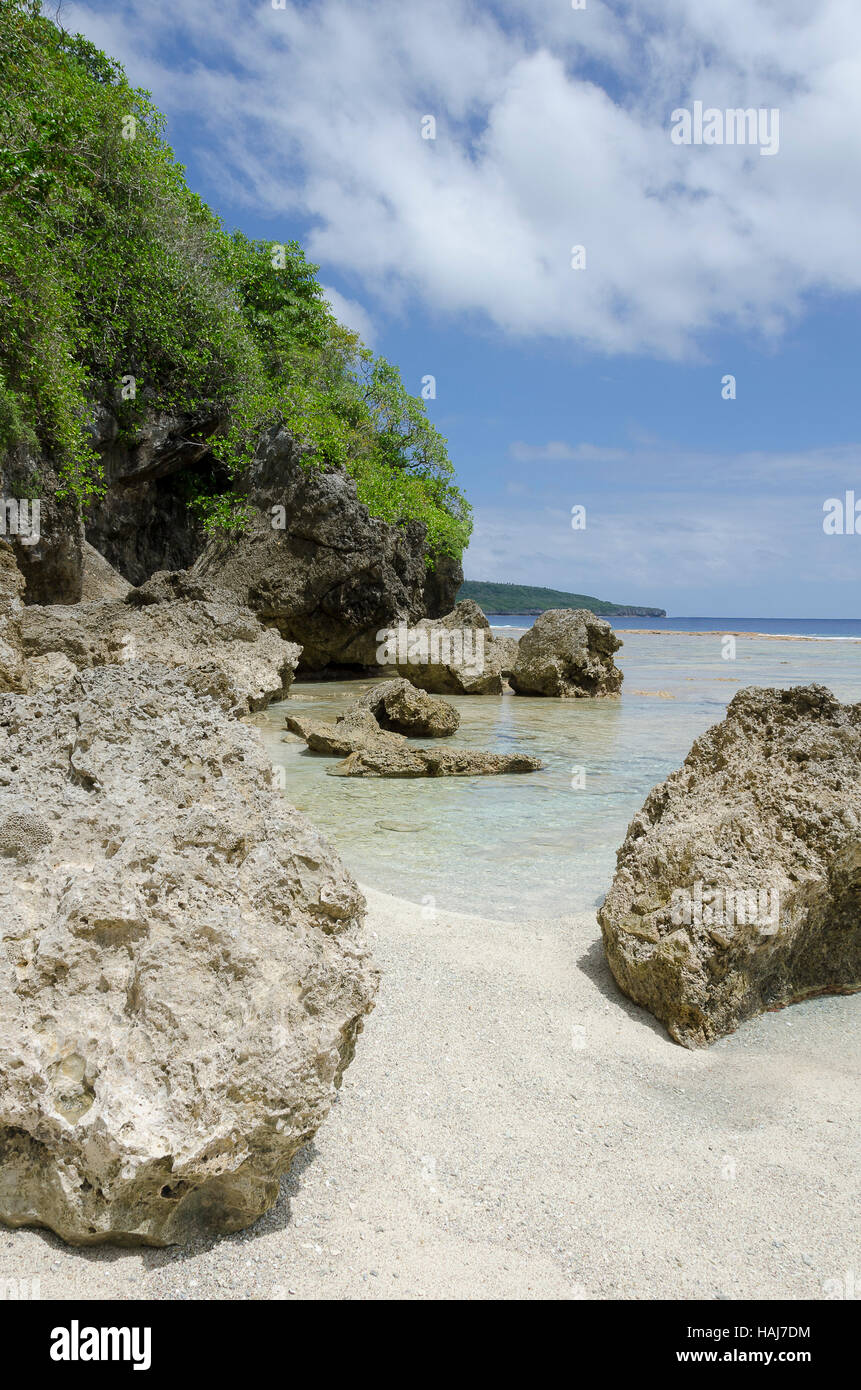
{"x":512,"y":1126}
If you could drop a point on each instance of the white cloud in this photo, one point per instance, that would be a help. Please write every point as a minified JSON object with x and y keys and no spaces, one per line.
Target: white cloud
{"x":552,"y":130}
{"x":351,"y":314}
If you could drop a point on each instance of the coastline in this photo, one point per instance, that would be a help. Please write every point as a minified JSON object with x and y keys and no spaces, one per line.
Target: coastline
{"x":728,"y":632}
{"x":514,"y":1127}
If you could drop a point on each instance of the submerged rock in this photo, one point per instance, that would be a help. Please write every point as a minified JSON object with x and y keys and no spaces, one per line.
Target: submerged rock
{"x":393,"y":761}
{"x":255,"y":660}
{"x":568,"y":653}
{"x":182,"y":968}
{"x":738,"y":887}
{"x":398,"y":706}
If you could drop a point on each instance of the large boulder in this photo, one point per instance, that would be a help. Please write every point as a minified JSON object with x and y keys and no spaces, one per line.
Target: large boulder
{"x":567,"y":653}
{"x":12,"y":674}
{"x":182,"y":968}
{"x":738,"y":887}
{"x":398,"y":706}
{"x":452,"y":655}
{"x":314,"y":563}
{"x":181,"y":632}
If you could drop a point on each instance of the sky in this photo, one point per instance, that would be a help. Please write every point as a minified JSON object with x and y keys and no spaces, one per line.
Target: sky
{"x":566,"y":379}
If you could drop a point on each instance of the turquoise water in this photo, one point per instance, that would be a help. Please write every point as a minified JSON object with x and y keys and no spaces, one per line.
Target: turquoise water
{"x":533,"y":844}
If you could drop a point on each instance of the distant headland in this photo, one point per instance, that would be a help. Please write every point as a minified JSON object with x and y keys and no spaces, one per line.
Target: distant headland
{"x":526,"y":598}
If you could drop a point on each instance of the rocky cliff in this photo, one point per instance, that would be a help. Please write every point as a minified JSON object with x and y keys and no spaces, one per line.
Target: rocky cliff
{"x":310,"y":559}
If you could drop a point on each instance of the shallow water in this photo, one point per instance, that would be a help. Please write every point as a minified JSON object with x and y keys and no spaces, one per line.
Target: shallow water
{"x":533,"y":844}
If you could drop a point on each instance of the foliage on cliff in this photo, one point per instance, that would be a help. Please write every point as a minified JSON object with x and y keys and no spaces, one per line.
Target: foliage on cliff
{"x":117,"y":283}
{"x":527,"y":598}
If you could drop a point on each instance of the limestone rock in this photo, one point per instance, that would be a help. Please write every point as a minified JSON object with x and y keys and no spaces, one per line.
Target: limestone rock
{"x":256,"y":660}
{"x":738,"y":887}
{"x":353,"y":731}
{"x":568,"y":653}
{"x":452,"y":655}
{"x":405,"y":761}
{"x":399,"y":706}
{"x":45,"y":672}
{"x":182,"y":968}
{"x":12,"y":673}
{"x":316,"y":565}
{"x":99,"y":580}
{"x":505,"y":650}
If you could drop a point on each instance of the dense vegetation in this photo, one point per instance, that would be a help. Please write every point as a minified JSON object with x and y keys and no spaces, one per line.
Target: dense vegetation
{"x":524,"y":598}
{"x":118,"y":284}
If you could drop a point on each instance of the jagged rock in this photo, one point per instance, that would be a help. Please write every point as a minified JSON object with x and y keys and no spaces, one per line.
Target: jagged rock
{"x":256,"y":661}
{"x":568,"y":653}
{"x":165,"y":586}
{"x":46,"y":535}
{"x":353,"y":731}
{"x":182,"y":968}
{"x":316,"y":565}
{"x":143,"y":521}
{"x":452,"y":655}
{"x":99,"y":580}
{"x":505,"y":650}
{"x":12,"y":674}
{"x":392,"y":761}
{"x":45,"y":672}
{"x":398,"y":706}
{"x":738,"y":887}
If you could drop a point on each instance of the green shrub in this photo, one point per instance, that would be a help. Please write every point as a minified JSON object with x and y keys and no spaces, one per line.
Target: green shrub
{"x":117,"y":283}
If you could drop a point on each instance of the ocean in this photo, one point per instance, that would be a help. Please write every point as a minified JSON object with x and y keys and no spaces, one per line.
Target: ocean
{"x":836,"y":628}
{"x":545,"y":843}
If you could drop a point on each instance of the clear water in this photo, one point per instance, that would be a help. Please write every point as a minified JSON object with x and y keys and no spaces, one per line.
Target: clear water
{"x":532,"y":844}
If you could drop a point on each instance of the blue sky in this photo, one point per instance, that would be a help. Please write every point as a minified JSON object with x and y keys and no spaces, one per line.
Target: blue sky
{"x":557,"y":387}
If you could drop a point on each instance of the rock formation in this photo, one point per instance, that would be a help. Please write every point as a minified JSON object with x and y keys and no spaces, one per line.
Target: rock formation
{"x":398,"y":706}
{"x":738,"y":886}
{"x":506,"y":649}
{"x":389,"y":760}
{"x":99,"y":580}
{"x":182,"y":970}
{"x":452,"y":655}
{"x":181,"y":632}
{"x":317,"y":566}
{"x":568,"y":653}
{"x":12,"y":675}
{"x":352,"y":731}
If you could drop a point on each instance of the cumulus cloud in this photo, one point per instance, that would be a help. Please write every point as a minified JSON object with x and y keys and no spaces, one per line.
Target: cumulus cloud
{"x":552,"y":130}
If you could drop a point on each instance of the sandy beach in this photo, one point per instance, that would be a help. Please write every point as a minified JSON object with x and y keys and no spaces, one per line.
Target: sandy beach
{"x":513,"y":1127}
